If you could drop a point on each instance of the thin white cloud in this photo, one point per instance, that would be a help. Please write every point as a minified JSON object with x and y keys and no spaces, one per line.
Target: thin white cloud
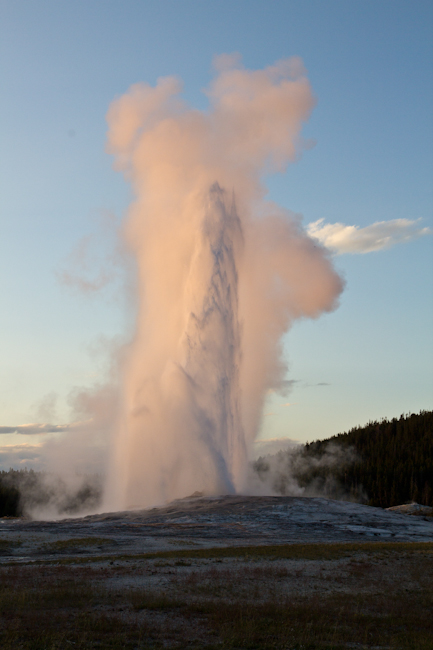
{"x":342,"y":239}
{"x":33,"y":429}
{"x":18,"y":456}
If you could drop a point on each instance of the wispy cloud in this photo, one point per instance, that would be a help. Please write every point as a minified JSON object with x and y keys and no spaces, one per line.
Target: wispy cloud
{"x":82,"y":446}
{"x":285,"y":386}
{"x":30,"y":429}
{"x":343,"y":239}
{"x":20,"y":456}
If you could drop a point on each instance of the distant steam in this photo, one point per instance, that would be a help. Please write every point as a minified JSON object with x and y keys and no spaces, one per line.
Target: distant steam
{"x":316,"y":470}
{"x":221,"y":276}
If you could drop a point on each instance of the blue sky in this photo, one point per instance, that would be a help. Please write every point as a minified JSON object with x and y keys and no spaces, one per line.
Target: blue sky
{"x":370,"y":66}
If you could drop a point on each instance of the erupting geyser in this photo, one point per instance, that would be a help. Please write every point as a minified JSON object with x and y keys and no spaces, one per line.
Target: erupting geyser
{"x":222,"y":274}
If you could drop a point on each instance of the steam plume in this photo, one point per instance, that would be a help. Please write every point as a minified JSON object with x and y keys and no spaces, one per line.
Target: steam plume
{"x":222,"y":274}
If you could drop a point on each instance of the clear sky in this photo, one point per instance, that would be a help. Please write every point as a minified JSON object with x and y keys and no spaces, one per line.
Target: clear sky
{"x":370,"y":66}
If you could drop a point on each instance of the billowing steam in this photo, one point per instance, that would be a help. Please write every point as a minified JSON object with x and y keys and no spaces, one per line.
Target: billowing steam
{"x":221,"y":276}
{"x":316,"y":470}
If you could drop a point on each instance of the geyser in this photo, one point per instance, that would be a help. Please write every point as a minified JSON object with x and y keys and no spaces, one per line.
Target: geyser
{"x":221,"y":275}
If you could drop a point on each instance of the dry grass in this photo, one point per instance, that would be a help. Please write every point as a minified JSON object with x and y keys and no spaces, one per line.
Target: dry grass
{"x":7,"y":546}
{"x":312,"y":551}
{"x":69,"y":545}
{"x":326,"y":597}
{"x":7,"y":543}
{"x":297,"y":551}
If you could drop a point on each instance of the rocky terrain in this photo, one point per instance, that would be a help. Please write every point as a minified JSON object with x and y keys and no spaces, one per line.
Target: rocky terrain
{"x":213,"y":522}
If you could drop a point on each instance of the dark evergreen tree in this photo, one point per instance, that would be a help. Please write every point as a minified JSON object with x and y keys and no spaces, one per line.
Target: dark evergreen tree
{"x":393,"y":460}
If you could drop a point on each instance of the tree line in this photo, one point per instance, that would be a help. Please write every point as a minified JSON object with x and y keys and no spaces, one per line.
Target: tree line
{"x":22,"y":491}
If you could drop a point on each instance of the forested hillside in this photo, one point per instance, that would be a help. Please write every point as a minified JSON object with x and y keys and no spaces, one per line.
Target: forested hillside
{"x":392,"y":461}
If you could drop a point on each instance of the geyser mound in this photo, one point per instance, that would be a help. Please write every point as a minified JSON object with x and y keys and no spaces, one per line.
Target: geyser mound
{"x":221,"y":275}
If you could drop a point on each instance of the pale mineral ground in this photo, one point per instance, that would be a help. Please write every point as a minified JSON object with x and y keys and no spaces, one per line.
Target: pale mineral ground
{"x":209,"y":522}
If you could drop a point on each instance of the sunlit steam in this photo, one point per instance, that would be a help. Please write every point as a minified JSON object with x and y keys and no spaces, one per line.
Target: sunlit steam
{"x":221,"y":276}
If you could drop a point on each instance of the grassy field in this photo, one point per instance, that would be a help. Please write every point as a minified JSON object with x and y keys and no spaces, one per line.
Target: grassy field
{"x":316,"y":596}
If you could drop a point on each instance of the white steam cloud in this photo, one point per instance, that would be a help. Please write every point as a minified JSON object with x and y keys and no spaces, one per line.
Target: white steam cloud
{"x":221,"y":276}
{"x":341,"y":239}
